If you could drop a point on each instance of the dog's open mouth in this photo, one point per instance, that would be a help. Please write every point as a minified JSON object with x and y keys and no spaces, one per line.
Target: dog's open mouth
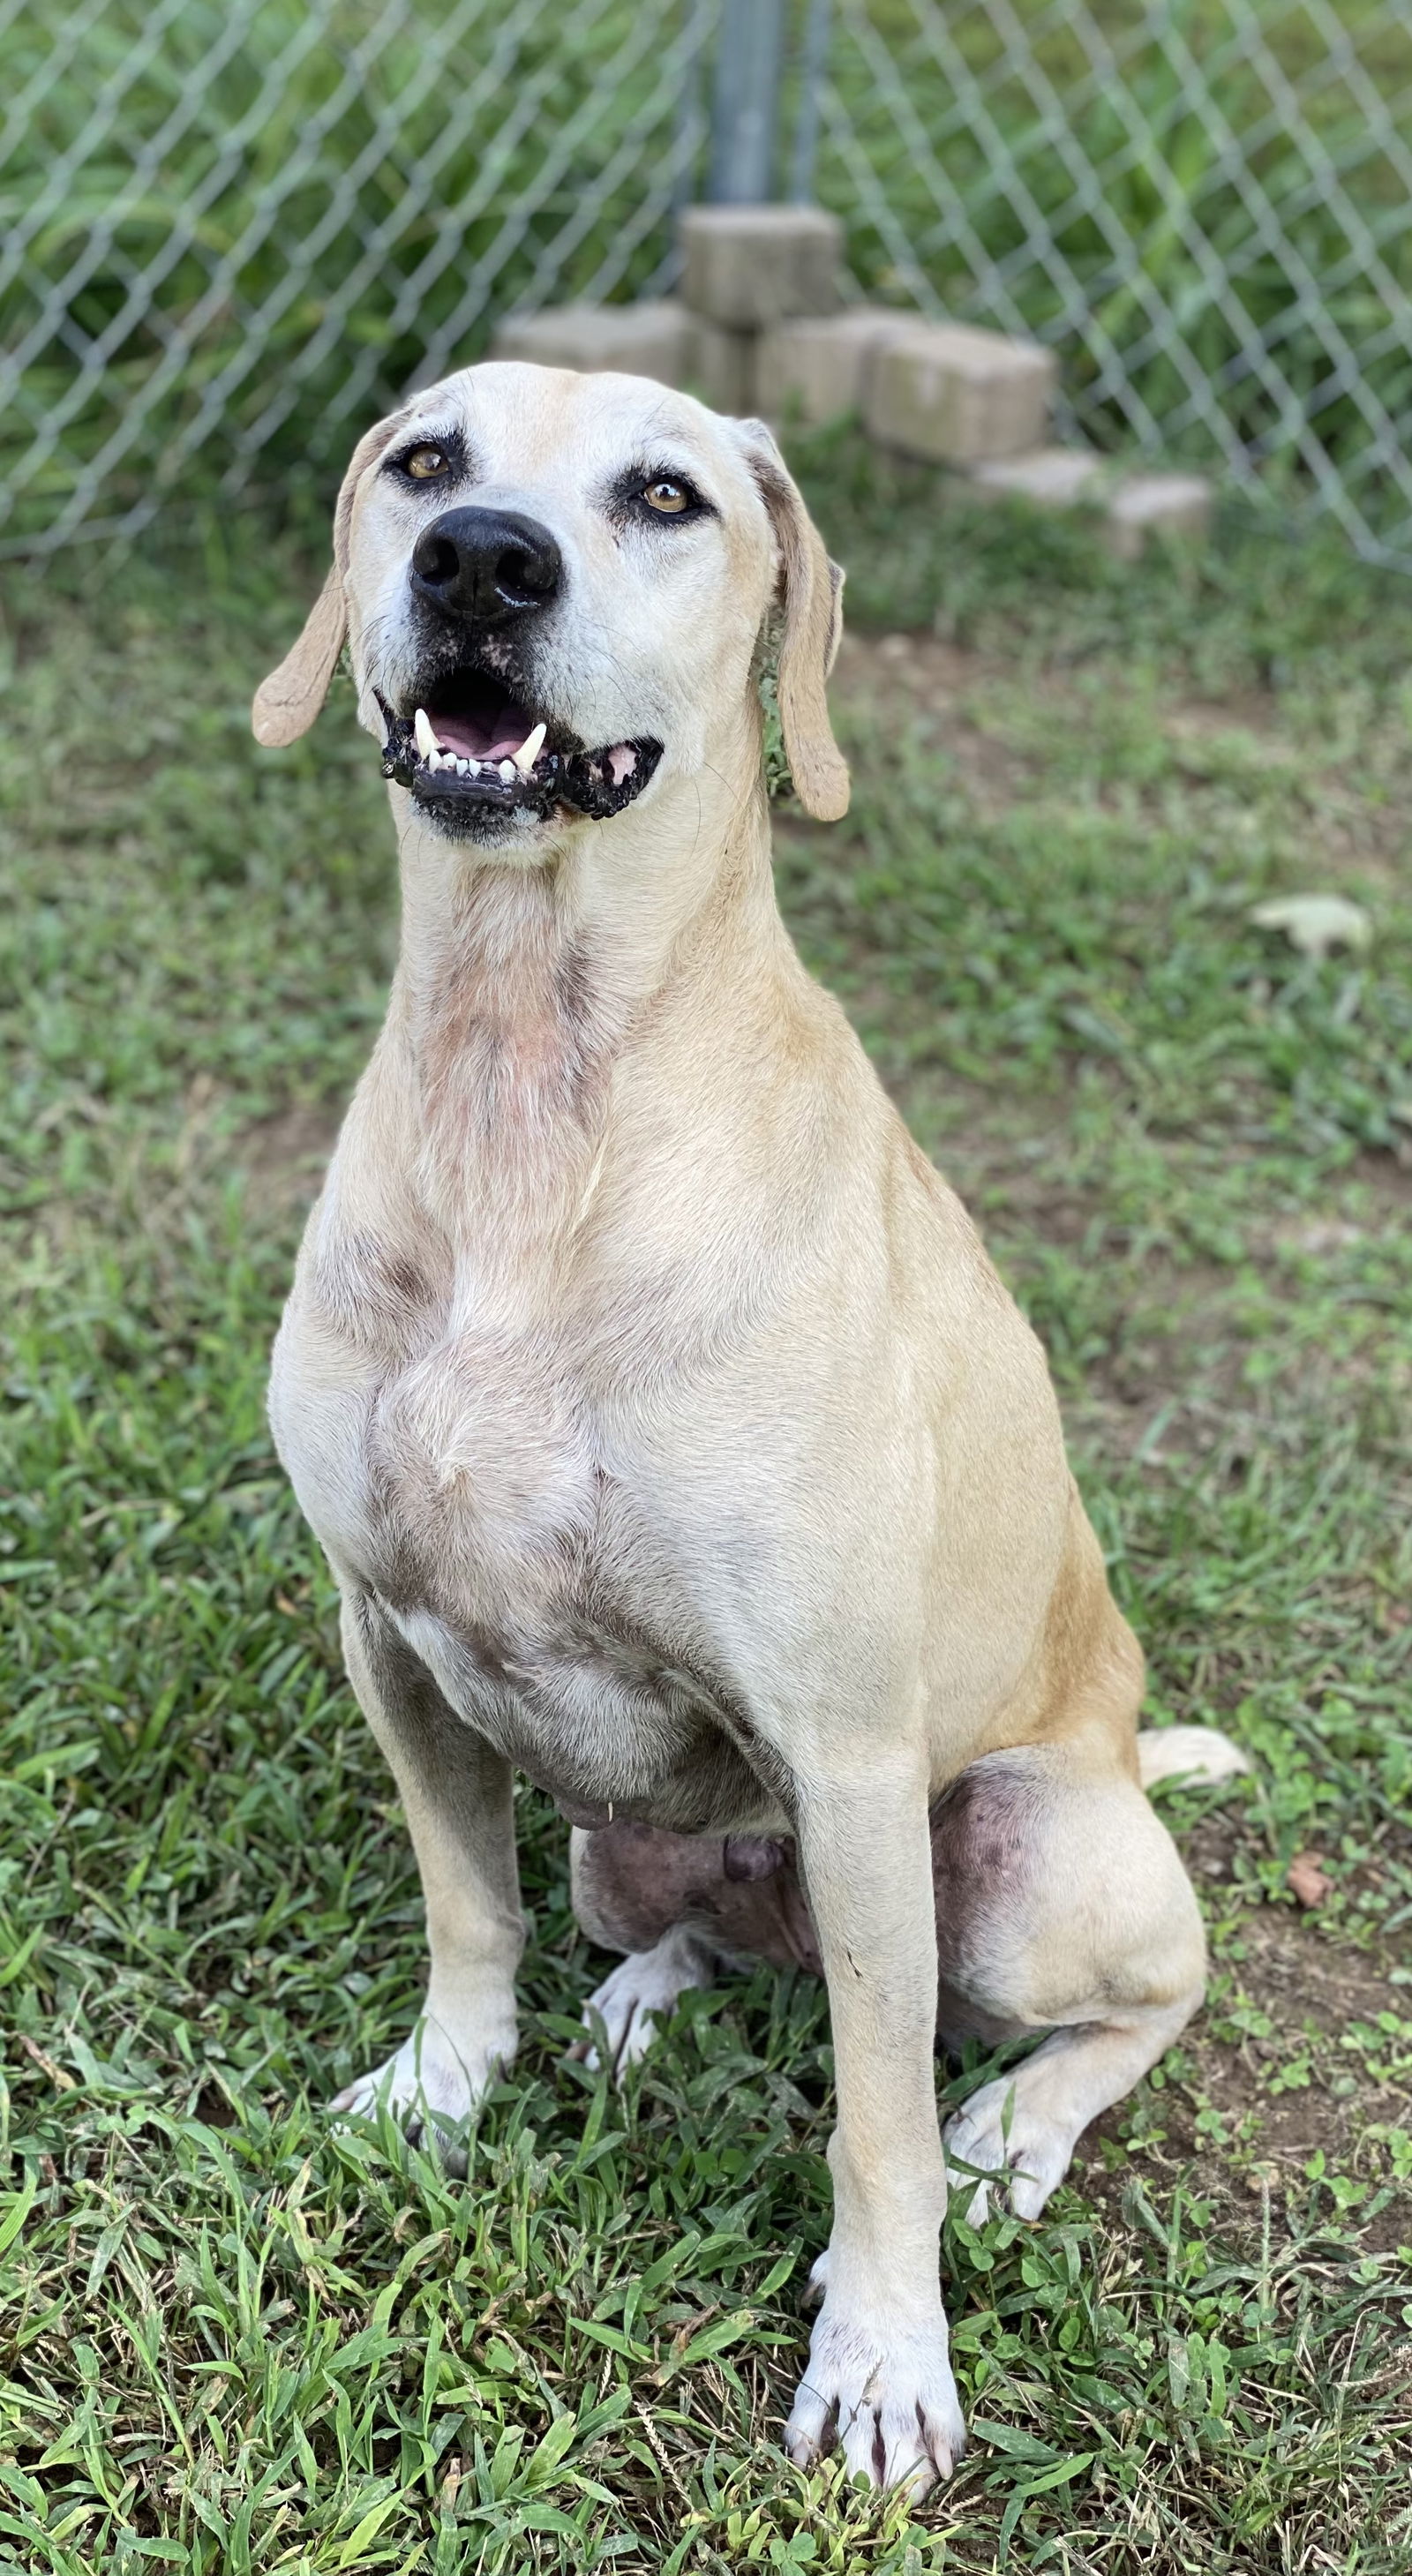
{"x":473,"y":749}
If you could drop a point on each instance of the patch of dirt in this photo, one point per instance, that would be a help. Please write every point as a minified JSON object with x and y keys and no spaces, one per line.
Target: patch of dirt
{"x":1308,"y":1986}
{"x":936,"y":676}
{"x":920,"y":676}
{"x":284,"y":1158}
{"x":1252,"y":711}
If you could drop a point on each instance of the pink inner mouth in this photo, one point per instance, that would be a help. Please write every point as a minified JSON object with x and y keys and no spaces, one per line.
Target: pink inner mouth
{"x":471,"y":725}
{"x":487,"y":724}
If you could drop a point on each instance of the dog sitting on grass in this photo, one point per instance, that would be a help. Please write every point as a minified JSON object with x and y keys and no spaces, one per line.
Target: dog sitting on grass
{"x":670,"y":1436}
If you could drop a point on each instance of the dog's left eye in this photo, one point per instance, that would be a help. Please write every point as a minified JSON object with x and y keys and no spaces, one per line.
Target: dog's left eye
{"x":669,"y":499}
{"x":424,"y":464}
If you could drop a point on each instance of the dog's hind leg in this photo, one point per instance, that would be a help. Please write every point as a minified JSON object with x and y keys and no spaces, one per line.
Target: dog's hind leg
{"x":643,"y":1988}
{"x":640,"y":1891}
{"x":1062,"y":1905}
{"x":678,"y":1904}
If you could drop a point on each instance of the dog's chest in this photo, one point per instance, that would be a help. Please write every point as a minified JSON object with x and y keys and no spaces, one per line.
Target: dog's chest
{"x":481,"y":1507}
{"x":481,"y":1473}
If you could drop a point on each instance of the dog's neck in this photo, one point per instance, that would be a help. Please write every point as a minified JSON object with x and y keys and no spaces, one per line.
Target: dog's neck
{"x":519,"y":989}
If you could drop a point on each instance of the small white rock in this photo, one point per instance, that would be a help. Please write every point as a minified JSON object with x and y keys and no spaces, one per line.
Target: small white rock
{"x":1316,"y":923}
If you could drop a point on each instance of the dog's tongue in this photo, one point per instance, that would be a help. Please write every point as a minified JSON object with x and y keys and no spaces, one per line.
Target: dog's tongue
{"x":499,"y":740}
{"x":489,"y":733}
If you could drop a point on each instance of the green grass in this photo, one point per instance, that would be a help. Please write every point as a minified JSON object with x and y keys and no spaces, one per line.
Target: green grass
{"x":237,"y":2340}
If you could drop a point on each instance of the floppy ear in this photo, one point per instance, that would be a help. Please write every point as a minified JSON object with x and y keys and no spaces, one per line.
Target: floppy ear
{"x":813,"y":628}
{"x":288,"y":701}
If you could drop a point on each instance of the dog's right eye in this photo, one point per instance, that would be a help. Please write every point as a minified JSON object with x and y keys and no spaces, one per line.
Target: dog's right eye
{"x":425,"y":463}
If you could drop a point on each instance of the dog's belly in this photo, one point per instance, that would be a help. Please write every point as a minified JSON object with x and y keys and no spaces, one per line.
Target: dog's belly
{"x":603,"y":1721}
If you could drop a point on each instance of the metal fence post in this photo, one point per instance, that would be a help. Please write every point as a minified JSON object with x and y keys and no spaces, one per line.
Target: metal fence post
{"x":743,"y":135}
{"x":812,"y":71}
{"x":692,"y":127}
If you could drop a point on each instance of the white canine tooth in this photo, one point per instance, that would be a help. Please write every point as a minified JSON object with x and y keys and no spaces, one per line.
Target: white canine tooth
{"x":530,"y":750}
{"x":426,"y":739}
{"x":508,"y":773}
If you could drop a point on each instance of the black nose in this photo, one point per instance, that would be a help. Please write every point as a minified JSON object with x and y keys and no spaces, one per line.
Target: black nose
{"x":486,"y":565}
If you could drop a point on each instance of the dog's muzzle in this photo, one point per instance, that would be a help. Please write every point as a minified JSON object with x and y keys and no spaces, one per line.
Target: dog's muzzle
{"x":465,"y":745}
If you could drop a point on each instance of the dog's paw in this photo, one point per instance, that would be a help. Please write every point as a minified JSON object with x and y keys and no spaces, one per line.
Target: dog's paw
{"x":643,"y":1986}
{"x":1017,"y":2137}
{"x":887,"y":2397}
{"x":432,"y":2083}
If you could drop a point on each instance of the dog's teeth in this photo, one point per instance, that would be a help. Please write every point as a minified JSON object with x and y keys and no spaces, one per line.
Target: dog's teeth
{"x":473,"y":769}
{"x":530,"y":750}
{"x":426,"y":739}
{"x":508,"y":773}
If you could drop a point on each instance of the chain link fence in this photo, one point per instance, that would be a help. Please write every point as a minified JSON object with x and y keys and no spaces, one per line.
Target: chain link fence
{"x":235,"y":228}
{"x":1205,"y":208}
{"x":232,"y":233}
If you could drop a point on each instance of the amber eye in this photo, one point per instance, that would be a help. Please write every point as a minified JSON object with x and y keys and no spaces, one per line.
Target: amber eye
{"x":669,"y":499}
{"x":424,"y":464}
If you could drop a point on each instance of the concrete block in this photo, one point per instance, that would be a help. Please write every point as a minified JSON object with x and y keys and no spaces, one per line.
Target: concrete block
{"x":1177,"y":504}
{"x":748,"y":266}
{"x":813,"y":370}
{"x":653,"y":338}
{"x":1052,"y":478}
{"x":957,"y":395}
{"x":720,"y":366}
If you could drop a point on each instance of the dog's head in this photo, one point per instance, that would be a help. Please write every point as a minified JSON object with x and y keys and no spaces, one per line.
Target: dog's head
{"x":554,"y":588}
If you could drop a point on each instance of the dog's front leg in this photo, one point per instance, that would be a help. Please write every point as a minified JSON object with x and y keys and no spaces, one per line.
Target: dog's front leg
{"x":457,"y":1795}
{"x":879,"y":2368}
